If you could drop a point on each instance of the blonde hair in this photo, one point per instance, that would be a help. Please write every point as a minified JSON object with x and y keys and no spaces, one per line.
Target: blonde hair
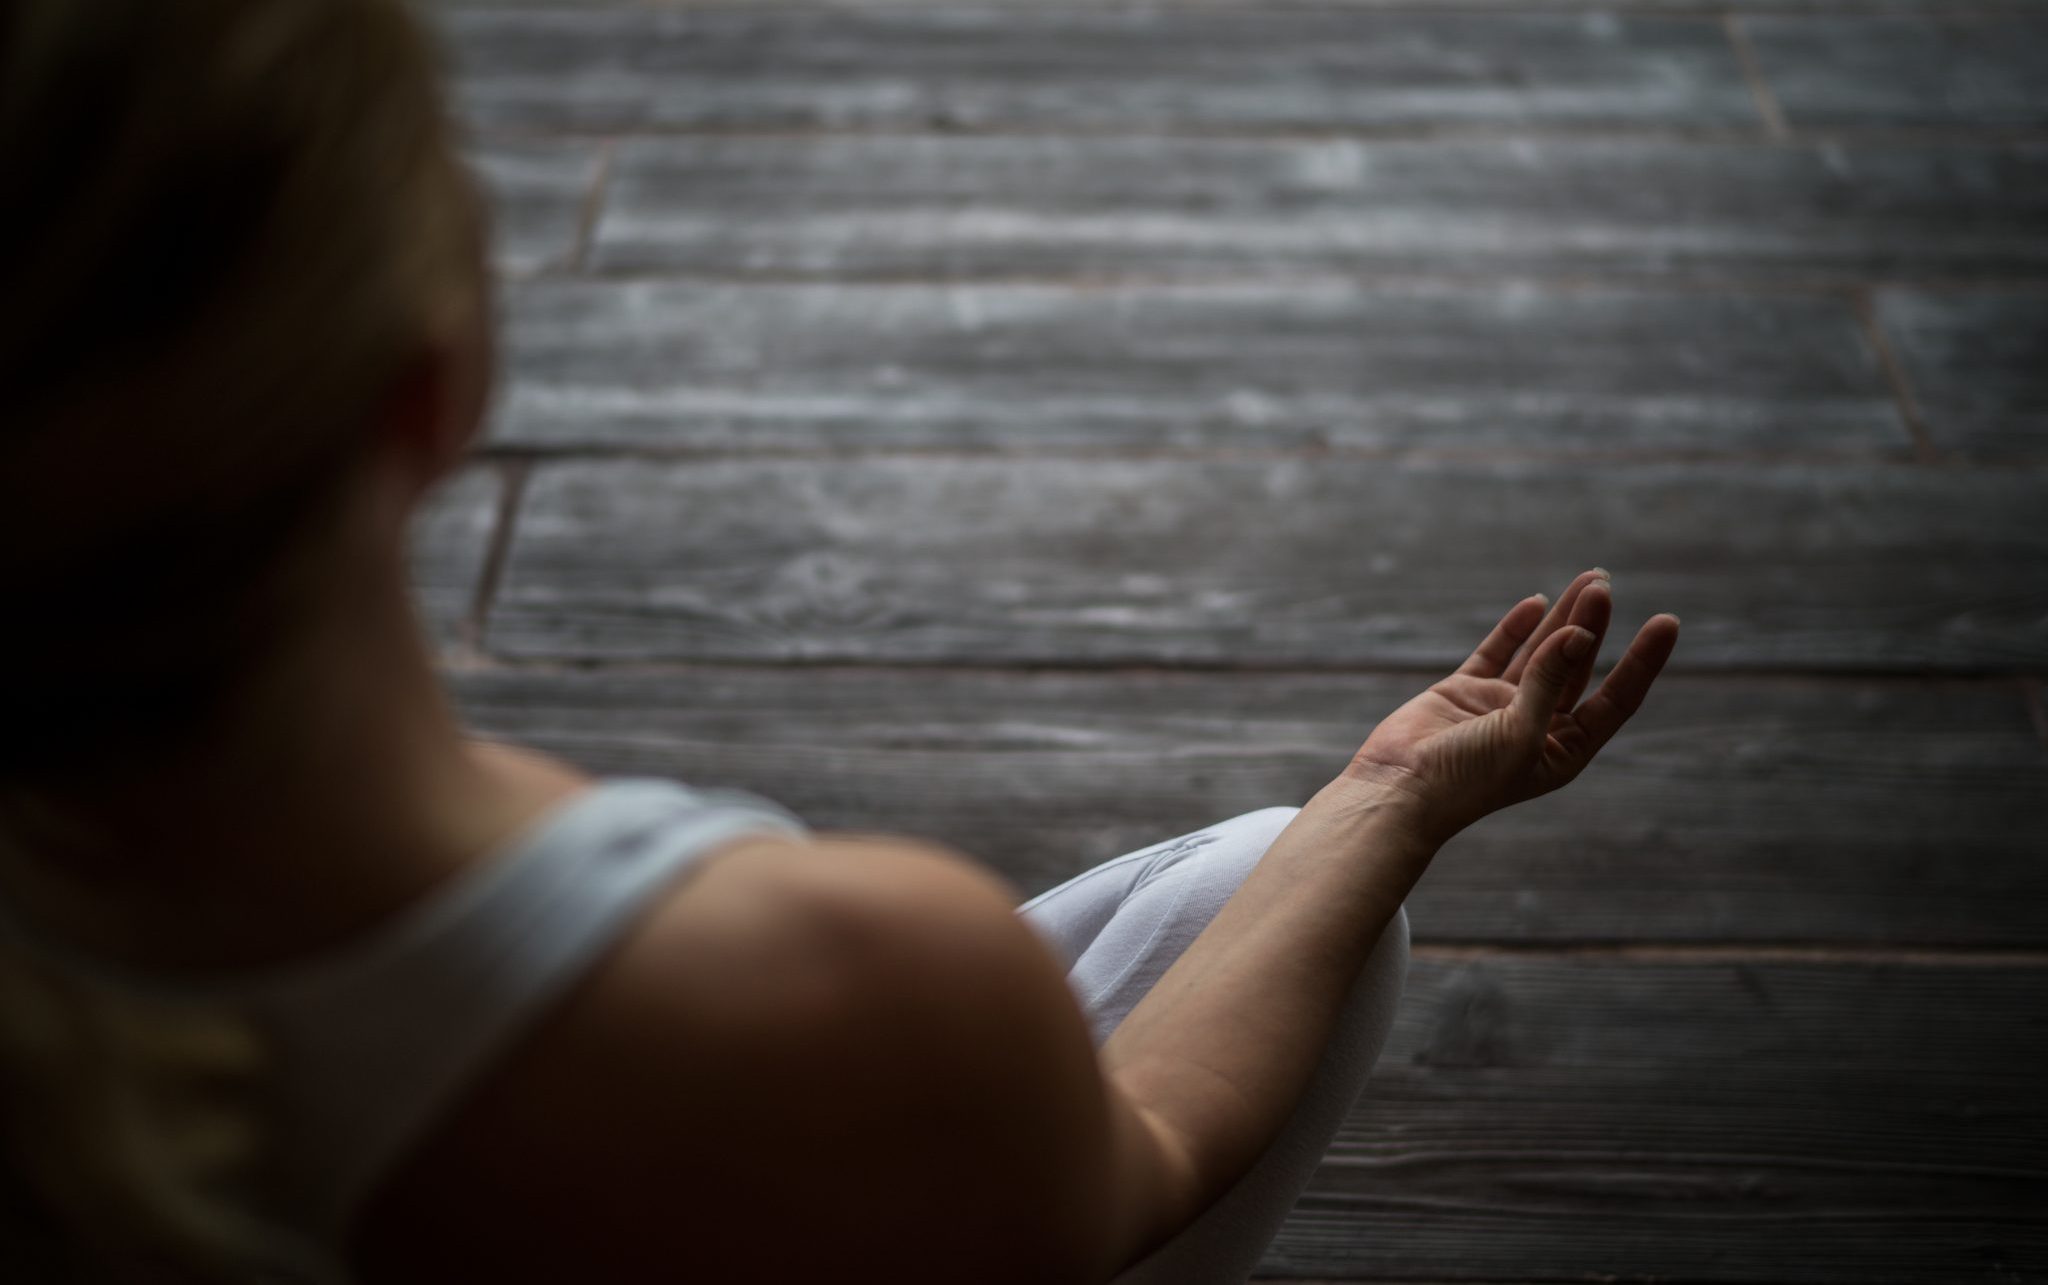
{"x":230,"y":225}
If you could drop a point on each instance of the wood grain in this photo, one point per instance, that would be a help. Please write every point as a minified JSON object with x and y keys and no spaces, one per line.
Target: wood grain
{"x":1326,"y":561}
{"x":1558,"y":1119}
{"x":1866,"y":812}
{"x":617,"y":364}
{"x":1977,"y":365}
{"x":1180,"y":68}
{"x":973,"y":206}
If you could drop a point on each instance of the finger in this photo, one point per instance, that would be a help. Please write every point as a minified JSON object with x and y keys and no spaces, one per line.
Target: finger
{"x":1593,"y":611}
{"x":1621,"y":694}
{"x":1568,"y":651}
{"x":1553,"y":622}
{"x":1494,"y":654}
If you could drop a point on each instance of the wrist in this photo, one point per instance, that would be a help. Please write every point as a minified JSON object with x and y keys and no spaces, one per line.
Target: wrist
{"x":1380,"y":824}
{"x":1389,"y":799}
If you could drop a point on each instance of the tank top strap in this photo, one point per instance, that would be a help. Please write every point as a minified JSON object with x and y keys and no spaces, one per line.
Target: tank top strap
{"x":383,"y":1040}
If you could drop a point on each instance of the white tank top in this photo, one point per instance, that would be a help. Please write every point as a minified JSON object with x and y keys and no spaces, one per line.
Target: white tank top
{"x":359,"y":1048}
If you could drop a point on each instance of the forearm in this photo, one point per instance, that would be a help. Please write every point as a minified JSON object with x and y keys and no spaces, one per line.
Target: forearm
{"x":1221,"y":1047}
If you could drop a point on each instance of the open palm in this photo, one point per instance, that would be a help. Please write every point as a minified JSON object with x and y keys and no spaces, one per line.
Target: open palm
{"x":1507,"y":725}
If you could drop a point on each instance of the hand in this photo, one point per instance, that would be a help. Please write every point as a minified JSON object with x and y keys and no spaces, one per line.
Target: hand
{"x":1503,"y":728}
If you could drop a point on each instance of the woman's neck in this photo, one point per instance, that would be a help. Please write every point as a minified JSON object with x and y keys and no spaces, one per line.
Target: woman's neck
{"x":351,"y":792}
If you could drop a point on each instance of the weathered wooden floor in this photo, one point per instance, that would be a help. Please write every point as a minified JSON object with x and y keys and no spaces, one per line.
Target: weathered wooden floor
{"x":1051,"y":429}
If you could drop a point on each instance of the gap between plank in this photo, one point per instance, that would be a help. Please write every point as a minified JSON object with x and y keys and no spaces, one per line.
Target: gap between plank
{"x":1903,"y":456}
{"x":593,"y":207}
{"x":484,"y":134}
{"x":481,"y":662}
{"x":1895,"y":375}
{"x":1616,"y":280}
{"x":1983,"y":10}
{"x":1730,"y":952}
{"x":513,"y":475}
{"x":1760,"y":89}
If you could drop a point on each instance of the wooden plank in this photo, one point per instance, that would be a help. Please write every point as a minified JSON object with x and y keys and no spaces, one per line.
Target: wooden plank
{"x":538,"y":191}
{"x":1864,"y":812}
{"x":977,"y":67}
{"x":1977,"y":365}
{"x":451,"y":536}
{"x":1890,"y":70}
{"x":1330,"y":363}
{"x":971,"y":206}
{"x":1576,"y":1119}
{"x":1277,"y":561}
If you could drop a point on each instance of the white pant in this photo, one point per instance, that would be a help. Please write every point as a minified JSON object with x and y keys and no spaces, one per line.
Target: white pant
{"x":1119,"y":926}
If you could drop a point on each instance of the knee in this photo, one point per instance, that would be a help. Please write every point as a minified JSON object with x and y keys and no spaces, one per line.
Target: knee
{"x":1395,"y":936}
{"x":1211,"y":863}
{"x":1267,"y":821}
{"x":1241,"y":841}
{"x":1389,"y":959}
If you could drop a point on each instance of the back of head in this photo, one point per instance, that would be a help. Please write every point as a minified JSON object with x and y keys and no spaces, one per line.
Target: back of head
{"x":227,"y":227}
{"x":227,"y":224}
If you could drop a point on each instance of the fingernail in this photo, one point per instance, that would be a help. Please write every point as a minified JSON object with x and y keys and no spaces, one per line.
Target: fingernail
{"x":1576,"y":646}
{"x":1673,"y":615}
{"x":1604,"y":574}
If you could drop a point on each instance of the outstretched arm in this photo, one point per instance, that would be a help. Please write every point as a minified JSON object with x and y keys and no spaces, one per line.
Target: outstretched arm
{"x":1222,"y":1046}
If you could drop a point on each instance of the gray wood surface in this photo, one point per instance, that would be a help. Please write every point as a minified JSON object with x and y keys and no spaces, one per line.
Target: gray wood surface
{"x":1178,"y":68}
{"x":1301,"y":560}
{"x":538,"y":192}
{"x":1495,"y":367}
{"x":1599,"y":1118}
{"x":450,"y":536}
{"x":1867,"y":812}
{"x":969,"y":205}
{"x":1065,"y":424}
{"x":1978,"y":368}
{"x":1863,"y":69}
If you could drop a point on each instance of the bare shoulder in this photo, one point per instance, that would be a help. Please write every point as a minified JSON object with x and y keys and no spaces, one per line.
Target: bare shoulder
{"x":806,"y":1056}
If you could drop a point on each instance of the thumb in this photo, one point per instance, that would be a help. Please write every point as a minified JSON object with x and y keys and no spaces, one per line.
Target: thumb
{"x":1543,"y":681}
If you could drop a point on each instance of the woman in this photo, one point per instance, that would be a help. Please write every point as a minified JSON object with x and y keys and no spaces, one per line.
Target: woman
{"x":298,"y":981}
